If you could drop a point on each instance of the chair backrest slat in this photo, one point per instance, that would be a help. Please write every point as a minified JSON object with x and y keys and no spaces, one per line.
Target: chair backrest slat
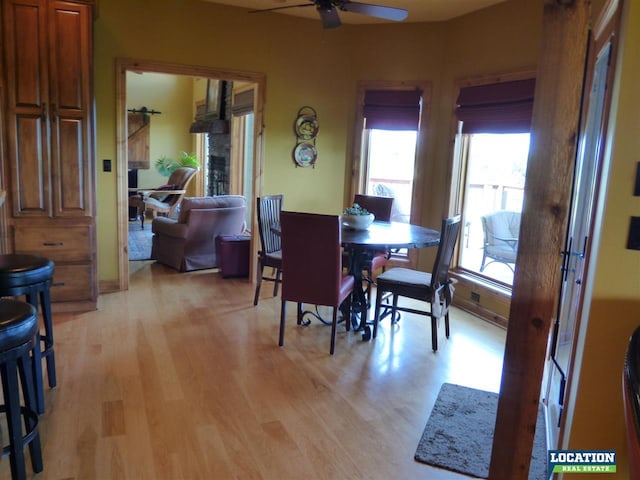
{"x":268,"y":210}
{"x":448,"y":237}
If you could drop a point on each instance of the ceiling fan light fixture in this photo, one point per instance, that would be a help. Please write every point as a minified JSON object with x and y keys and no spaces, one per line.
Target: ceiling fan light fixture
{"x":328,"y":11}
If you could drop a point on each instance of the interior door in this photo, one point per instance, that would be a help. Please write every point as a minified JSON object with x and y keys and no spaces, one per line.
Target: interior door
{"x":579,"y":233}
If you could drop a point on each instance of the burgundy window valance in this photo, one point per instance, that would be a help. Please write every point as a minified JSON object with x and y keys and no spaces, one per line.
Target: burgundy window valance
{"x":497,"y":107}
{"x":392,"y":109}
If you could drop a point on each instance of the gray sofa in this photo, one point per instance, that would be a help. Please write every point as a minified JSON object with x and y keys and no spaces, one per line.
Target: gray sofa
{"x":188,"y":243}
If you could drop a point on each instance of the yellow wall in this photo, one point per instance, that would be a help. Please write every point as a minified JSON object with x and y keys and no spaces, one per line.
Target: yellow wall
{"x":613,"y":309}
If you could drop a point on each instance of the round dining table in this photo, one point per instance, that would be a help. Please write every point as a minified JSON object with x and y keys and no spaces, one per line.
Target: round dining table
{"x":361,"y":245}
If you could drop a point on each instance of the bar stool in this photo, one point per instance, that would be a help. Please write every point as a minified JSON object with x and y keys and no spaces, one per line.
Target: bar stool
{"x":31,"y":276}
{"x":18,"y":332}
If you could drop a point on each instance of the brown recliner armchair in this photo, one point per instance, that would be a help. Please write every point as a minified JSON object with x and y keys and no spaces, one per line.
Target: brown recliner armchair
{"x":188,"y":243}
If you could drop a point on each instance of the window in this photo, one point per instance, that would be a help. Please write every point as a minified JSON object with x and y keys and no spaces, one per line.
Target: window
{"x":243,"y":151}
{"x":491,"y":162}
{"x":391,"y":162}
{"x":493,"y":182}
{"x":388,"y":148}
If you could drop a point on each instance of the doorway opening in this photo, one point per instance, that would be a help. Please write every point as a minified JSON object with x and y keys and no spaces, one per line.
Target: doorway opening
{"x":194,"y":140}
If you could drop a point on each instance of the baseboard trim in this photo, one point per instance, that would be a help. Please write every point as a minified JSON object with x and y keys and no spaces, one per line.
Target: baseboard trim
{"x":109,"y":286}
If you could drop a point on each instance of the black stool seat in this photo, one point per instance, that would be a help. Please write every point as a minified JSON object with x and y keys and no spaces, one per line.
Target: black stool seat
{"x":31,"y":276}
{"x":18,"y":333}
{"x":20,"y":270}
{"x":18,"y":323}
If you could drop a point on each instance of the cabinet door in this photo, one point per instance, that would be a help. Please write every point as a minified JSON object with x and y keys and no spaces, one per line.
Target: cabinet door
{"x":25,"y":48}
{"x":71,"y":113}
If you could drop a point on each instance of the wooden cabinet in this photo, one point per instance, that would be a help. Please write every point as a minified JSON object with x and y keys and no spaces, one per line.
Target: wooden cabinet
{"x":47,"y":48}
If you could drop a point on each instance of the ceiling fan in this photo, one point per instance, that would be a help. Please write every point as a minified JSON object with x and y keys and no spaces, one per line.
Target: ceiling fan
{"x":328,"y":10}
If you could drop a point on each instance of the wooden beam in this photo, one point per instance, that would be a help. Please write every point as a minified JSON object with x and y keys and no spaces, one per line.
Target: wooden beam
{"x":554,"y":132}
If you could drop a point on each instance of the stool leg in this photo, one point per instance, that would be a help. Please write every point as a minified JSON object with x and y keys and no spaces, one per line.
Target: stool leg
{"x":31,"y":424}
{"x":8,"y":370}
{"x":32,"y":298}
{"x":45,"y":303}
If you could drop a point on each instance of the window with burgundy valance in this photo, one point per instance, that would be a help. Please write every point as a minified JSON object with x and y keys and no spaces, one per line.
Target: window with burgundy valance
{"x":491,"y":159}
{"x":504,"y":107}
{"x":390,"y":147}
{"x":392,"y":109}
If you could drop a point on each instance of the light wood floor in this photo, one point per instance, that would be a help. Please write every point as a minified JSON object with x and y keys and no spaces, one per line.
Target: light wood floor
{"x":181,"y":378}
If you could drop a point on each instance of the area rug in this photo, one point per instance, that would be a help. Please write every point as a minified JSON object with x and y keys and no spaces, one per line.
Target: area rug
{"x":139,"y":241}
{"x":459,"y":433}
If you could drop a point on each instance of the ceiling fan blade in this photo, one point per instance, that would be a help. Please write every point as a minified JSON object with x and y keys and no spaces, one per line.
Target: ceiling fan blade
{"x":329,"y":17}
{"x":281,"y":8}
{"x":387,"y":13}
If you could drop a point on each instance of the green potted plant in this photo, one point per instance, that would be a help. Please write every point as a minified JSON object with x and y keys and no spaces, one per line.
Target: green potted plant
{"x":357,"y":217}
{"x":166,"y":165}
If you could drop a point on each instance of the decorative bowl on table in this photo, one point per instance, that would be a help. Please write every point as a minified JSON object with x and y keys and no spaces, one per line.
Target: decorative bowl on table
{"x":357,"y":217}
{"x":358,"y":222}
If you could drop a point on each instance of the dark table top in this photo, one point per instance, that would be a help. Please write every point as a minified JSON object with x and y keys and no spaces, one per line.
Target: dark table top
{"x":391,"y":235}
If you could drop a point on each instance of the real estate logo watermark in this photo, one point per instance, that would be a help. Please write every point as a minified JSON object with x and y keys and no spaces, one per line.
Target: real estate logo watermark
{"x":581,"y":461}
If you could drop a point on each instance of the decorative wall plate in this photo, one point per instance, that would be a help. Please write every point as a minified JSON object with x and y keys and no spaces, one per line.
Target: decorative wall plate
{"x":305,"y":154}
{"x":307,"y":127}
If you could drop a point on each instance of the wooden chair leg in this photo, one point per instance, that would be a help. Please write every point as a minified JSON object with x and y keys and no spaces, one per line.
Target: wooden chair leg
{"x":299,"y":313}
{"x":434,"y":334}
{"x":394,"y":309}
{"x":334,"y":324}
{"x":347,"y":321}
{"x":446,"y":324}
{"x":277,"y":282}
{"x":376,"y":317}
{"x":283,"y":314}
{"x":258,"y":284}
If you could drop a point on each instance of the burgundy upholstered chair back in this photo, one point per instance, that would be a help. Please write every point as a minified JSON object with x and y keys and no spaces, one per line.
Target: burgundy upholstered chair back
{"x":379,"y":206}
{"x":311,"y":258}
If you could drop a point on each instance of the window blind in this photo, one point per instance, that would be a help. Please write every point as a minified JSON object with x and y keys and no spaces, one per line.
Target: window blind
{"x":392,"y":109}
{"x":504,"y":107}
{"x":242,"y":103}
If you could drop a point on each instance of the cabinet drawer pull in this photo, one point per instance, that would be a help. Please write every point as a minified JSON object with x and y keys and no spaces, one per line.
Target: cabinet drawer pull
{"x":58,"y":284}
{"x":43,"y":115}
{"x":53,"y":244}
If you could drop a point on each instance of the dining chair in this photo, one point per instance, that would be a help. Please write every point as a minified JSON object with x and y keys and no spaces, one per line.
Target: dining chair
{"x":434,"y":288}
{"x":380,"y":206}
{"x":268,"y":210}
{"x":312,"y":262}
